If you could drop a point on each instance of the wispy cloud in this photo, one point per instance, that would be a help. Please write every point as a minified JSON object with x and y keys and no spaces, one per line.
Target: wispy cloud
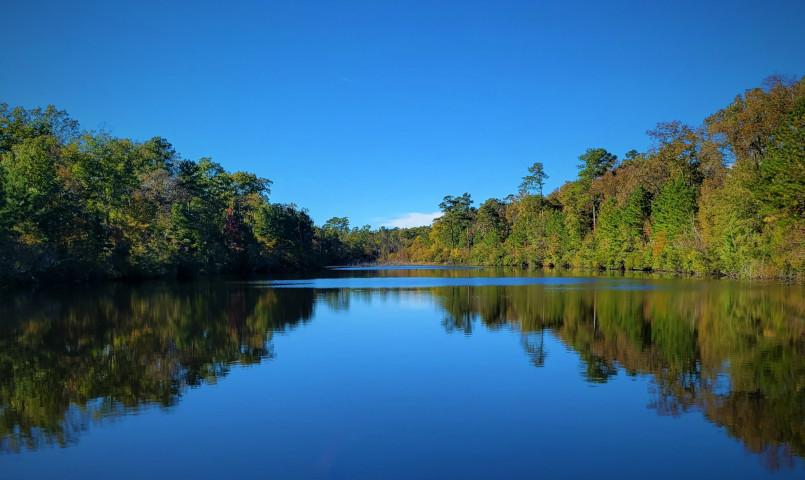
{"x":412,"y":219}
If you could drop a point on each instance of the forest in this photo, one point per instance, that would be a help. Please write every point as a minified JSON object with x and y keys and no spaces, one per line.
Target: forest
{"x":77,"y":205}
{"x":723,"y":198}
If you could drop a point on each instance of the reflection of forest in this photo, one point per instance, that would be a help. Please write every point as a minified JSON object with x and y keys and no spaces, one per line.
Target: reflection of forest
{"x":737,"y":353}
{"x":68,"y":359}
{"x":734,"y":352}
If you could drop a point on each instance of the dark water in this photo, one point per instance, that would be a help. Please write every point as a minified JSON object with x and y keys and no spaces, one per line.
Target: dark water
{"x":441,"y":373}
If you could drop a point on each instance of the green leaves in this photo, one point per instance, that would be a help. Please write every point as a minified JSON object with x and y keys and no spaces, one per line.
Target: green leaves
{"x":781,"y":186}
{"x":535,"y":180}
{"x":458,"y":216}
{"x":673,"y":209}
{"x":677,"y":207}
{"x":76,"y":206}
{"x":595,"y":162}
{"x":94,"y":205}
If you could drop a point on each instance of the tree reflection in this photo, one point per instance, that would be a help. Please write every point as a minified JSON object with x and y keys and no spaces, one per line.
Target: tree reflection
{"x":534,"y":345}
{"x":735,"y":352}
{"x":67,"y":360}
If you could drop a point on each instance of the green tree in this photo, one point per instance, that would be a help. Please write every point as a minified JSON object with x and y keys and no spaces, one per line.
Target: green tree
{"x":535,"y":180}
{"x":781,"y":186}
{"x":457,"y":217}
{"x":339,"y":225}
{"x":595,"y":162}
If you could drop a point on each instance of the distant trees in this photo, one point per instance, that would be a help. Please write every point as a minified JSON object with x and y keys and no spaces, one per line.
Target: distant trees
{"x":728,"y":197}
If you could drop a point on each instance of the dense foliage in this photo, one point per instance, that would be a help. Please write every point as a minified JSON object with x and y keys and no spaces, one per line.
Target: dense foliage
{"x":727,"y":197}
{"x":77,"y":205}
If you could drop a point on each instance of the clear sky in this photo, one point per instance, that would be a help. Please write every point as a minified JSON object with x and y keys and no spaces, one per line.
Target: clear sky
{"x":377,"y":109}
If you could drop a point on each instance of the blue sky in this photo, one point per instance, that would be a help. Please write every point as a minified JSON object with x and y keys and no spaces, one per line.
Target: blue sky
{"x":377,"y":109}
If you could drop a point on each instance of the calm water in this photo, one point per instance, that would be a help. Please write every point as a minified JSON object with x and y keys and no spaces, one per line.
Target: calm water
{"x":405,"y":373}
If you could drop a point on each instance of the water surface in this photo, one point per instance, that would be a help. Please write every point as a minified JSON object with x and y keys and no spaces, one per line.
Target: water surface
{"x":405,"y":373}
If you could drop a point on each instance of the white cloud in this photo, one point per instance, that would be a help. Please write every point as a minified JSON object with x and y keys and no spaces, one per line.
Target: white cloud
{"x":412,"y":219}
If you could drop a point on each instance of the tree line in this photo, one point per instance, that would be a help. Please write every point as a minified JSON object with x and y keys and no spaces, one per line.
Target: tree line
{"x":76,"y":205}
{"x":727,"y":197}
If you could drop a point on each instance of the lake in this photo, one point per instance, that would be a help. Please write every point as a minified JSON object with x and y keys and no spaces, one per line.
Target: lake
{"x":405,"y":373}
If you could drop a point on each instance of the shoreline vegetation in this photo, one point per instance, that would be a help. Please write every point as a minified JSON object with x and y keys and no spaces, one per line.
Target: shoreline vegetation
{"x":726,"y":198}
{"x":594,"y":271}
